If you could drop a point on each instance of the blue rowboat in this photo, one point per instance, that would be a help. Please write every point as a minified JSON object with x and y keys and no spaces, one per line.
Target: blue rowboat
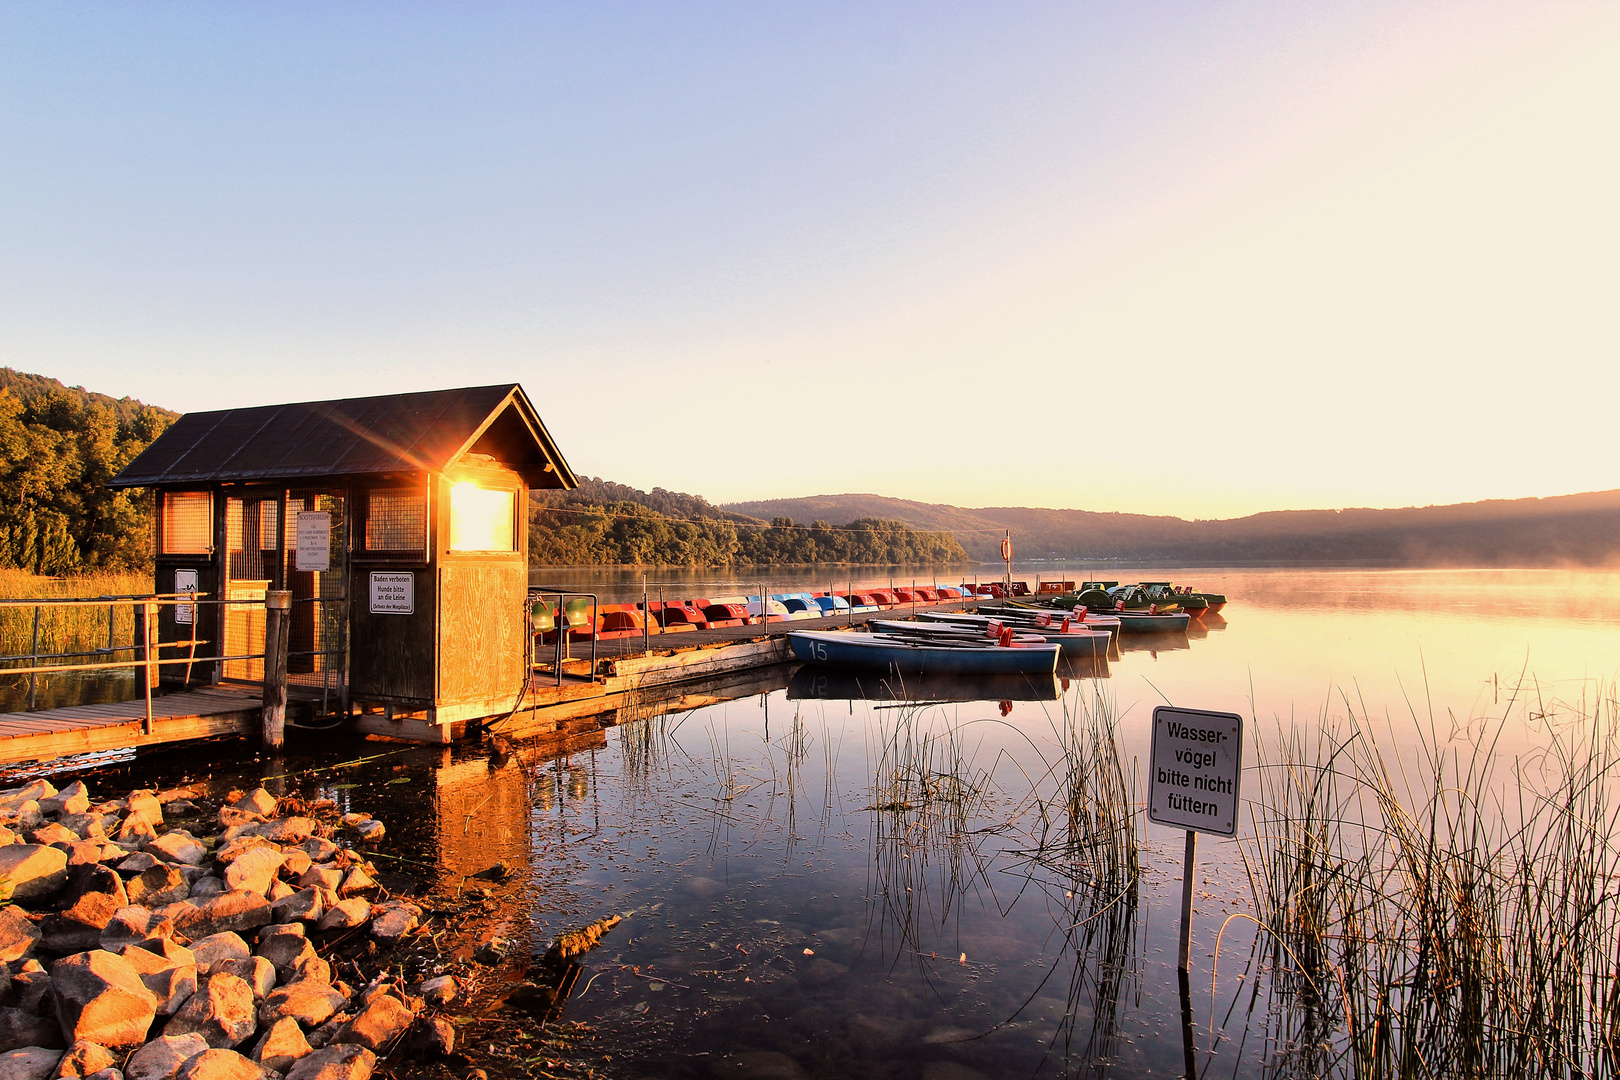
{"x":886,"y":653}
{"x":1073,"y":643}
{"x":1023,"y":622}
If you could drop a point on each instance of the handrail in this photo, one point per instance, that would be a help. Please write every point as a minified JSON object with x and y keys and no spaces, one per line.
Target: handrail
{"x":563,"y":631}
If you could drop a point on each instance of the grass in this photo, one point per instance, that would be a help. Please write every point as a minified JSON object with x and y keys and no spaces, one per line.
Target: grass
{"x":1457,"y":915}
{"x":64,"y":629}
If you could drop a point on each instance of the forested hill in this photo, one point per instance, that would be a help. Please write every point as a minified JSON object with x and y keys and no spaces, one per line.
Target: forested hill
{"x":1568,"y":529}
{"x":601,"y":522}
{"x":59,"y":446}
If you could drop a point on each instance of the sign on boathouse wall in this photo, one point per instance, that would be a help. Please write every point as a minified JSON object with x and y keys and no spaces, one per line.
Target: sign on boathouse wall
{"x":314,"y":541}
{"x":1194,"y":769}
{"x":393,"y":593}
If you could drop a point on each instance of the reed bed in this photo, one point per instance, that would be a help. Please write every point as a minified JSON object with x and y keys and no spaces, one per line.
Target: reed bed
{"x":66,"y":629}
{"x":1453,"y":915}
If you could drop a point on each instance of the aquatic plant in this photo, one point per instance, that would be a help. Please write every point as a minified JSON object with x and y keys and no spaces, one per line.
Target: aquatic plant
{"x":63,"y":628}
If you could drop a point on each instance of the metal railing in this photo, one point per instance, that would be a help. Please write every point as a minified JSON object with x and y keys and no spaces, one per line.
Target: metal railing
{"x":560,"y":626}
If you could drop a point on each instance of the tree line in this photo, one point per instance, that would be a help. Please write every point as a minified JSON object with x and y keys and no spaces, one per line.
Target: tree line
{"x":59,"y":446}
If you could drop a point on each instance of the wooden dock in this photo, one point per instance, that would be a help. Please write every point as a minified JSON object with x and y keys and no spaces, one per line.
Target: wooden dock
{"x":87,"y":729}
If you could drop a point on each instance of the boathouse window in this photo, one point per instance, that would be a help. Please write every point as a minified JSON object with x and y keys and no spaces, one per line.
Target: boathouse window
{"x":396,"y":522}
{"x":481,"y":519}
{"x":188,"y":523}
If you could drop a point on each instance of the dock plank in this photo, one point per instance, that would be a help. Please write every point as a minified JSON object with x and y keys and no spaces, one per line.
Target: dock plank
{"x":82,"y":729}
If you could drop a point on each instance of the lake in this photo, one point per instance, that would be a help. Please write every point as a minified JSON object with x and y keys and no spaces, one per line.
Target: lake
{"x":833,"y":885}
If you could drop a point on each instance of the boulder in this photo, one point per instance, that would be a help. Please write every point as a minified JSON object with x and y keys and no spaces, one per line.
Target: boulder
{"x":305,"y":905}
{"x":292,"y":830}
{"x":32,"y":791}
{"x":281,"y":1045}
{"x":258,"y":801}
{"x":168,"y":971}
{"x":83,"y":826}
{"x":161,"y":1058}
{"x":79,"y":927}
{"x":345,"y":1061}
{"x":106,"y":1074}
{"x":357,"y":881}
{"x":147,"y":806}
{"x":371,"y":831}
{"x":285,"y":948}
{"x":134,"y":832}
{"x":8,"y":837}
{"x":432,"y":1036}
{"x":393,"y":919}
{"x":208,"y":885}
{"x":256,"y":971}
{"x":36,"y":872}
{"x":28,"y":993}
{"x":134,"y":924}
{"x":158,"y":886}
{"x":252,"y":871}
{"x":18,"y":934}
{"x":92,"y":878}
{"x":178,"y":846}
{"x":99,"y":850}
{"x":211,"y":950}
{"x":346,"y":913}
{"x":224,"y":1065}
{"x":170,"y":796}
{"x":440,"y":991}
{"x":73,"y":799}
{"x":85,"y":1058}
{"x":310,"y":966}
{"x":378,"y":1024}
{"x":294,"y":861}
{"x":137,"y":862}
{"x":26,"y":816}
{"x":22,"y":1028}
{"x":321,"y":877}
{"x":202,"y":917}
{"x":221,"y":1011}
{"x":35,"y":1063}
{"x":319,"y":849}
{"x":309,"y":1002}
{"x":52,"y":833}
{"x":101,"y":998}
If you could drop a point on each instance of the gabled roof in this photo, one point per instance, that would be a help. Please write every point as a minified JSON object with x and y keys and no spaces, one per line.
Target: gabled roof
{"x":353,"y":437}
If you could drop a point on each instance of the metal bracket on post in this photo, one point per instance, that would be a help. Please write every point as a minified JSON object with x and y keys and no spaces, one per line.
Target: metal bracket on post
{"x":277,"y":631}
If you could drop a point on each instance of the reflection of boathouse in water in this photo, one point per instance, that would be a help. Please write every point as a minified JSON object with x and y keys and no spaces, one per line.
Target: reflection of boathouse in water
{"x":400,"y":526}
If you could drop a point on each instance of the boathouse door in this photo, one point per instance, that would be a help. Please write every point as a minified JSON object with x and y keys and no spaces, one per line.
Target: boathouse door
{"x":317,"y":574}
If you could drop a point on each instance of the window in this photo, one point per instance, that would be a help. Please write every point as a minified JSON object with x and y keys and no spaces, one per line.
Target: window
{"x":396,"y":521}
{"x":188,"y":523}
{"x":480,"y":519}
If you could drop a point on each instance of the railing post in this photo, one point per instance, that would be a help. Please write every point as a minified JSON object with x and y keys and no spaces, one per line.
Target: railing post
{"x":277,"y":629}
{"x":33,"y":677}
{"x":149,"y":671}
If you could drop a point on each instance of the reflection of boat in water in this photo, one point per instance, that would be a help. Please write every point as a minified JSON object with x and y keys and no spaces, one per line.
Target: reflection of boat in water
{"x":817,"y":682}
{"x":1082,"y":667}
{"x":1170,"y":641}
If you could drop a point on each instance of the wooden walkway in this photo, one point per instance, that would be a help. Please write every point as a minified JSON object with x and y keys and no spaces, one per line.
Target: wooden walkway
{"x":85,"y":729}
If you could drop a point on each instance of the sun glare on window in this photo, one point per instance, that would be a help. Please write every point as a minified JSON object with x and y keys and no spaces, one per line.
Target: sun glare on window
{"x":480,"y":520}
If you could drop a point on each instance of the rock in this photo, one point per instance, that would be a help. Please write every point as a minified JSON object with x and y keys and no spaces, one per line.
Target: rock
{"x":311,"y":967}
{"x":101,"y":998}
{"x":92,"y":878}
{"x":256,"y":971}
{"x":22,"y":1028}
{"x":211,"y":950}
{"x":305,"y":905}
{"x":18,"y":934}
{"x":134,"y":832}
{"x":322,"y":1036}
{"x":161,"y":1058}
{"x":79,"y":927}
{"x":257,"y":801}
{"x":146,"y":804}
{"x":180,"y":807}
{"x":281,"y":1045}
{"x":178,"y":846}
{"x":309,"y":1002}
{"x":136,"y":863}
{"x":440,"y":991}
{"x":32,"y":791}
{"x":205,"y":916}
{"x":319,"y":849}
{"x":35,"y":871}
{"x":371,"y":831}
{"x":28,"y":991}
{"x":253,"y":870}
{"x":356,"y":882}
{"x":294,"y":861}
{"x":8,"y":837}
{"x":292,"y":830}
{"x":321,"y":877}
{"x":169,"y":972}
{"x":206,"y":886}
{"x":36,"y":1063}
{"x":85,"y":1058}
{"x":432,"y":1036}
{"x":279,"y":890}
{"x":493,"y":951}
{"x":346,"y":913}
{"x":52,"y":833}
{"x":221,"y":1011}
{"x":176,"y":794}
{"x":158,"y":886}
{"x":98,"y":851}
{"x":394,"y":919}
{"x":106,"y":1074}
{"x":235,"y":820}
{"x":222,"y":1064}
{"x":286,"y":950}
{"x":131,"y":925}
{"x":83,"y":826}
{"x":73,"y":799}
{"x":346,"y":1061}
{"x":229,"y":853}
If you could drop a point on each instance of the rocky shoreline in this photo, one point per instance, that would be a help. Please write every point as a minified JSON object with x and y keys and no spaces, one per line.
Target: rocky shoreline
{"x":166,"y":935}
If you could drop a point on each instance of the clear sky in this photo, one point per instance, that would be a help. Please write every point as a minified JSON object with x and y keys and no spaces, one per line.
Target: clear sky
{"x":1199,"y":258}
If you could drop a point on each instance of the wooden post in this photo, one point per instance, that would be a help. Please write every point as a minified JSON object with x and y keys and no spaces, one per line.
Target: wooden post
{"x":33,"y":662}
{"x":149,"y":671}
{"x":277,"y":631}
{"x":1189,"y":868}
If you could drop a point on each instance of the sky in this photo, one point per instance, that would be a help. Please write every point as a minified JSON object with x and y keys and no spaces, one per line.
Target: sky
{"x":1202,"y":259}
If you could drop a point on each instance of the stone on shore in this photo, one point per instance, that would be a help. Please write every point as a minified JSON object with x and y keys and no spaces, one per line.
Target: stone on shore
{"x":79,"y":927}
{"x":305,"y":905}
{"x":371,"y":831}
{"x":285,"y":947}
{"x":432,"y":1036}
{"x":252,"y":871}
{"x":18,"y":934}
{"x":222,"y":1064}
{"x":291,"y":830}
{"x":178,"y":846}
{"x":346,"y":913}
{"x":33,"y":1063}
{"x":84,"y":1059}
{"x":319,"y":848}
{"x":147,"y":806}
{"x":256,"y":971}
{"x":216,"y":947}
{"x":202,"y":917}
{"x":221,"y":1011}
{"x":282,"y":1045}
{"x":257,"y":801}
{"x":393,"y":919}
{"x":344,"y":1061}
{"x":36,"y":872}
{"x":378,"y":1024}
{"x":168,"y":971}
{"x":22,"y":1028}
{"x":294,"y":861}
{"x":101,"y":998}
{"x":441,"y":990}
{"x":73,"y":799}
{"x":132,"y":925}
{"x":92,"y":877}
{"x":307,"y":1001}
{"x":322,"y":877}
{"x":161,"y":1058}
{"x":158,"y":886}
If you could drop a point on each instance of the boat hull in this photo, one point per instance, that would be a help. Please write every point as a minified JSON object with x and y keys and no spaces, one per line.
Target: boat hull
{"x":875,"y":652}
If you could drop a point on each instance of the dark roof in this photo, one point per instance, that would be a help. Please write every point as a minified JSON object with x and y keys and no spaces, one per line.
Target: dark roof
{"x":353,"y":437}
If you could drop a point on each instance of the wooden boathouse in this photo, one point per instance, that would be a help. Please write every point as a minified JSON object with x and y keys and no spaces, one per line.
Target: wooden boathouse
{"x":398,"y":523}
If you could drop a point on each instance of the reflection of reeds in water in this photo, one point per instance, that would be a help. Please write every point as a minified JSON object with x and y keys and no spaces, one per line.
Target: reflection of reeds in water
{"x":1450,"y":920}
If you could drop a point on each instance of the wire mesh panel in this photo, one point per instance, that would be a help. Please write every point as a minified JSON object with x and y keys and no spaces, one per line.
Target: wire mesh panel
{"x":249,"y":571}
{"x":396,"y":522}
{"x":318,"y":644}
{"x":188,"y":523}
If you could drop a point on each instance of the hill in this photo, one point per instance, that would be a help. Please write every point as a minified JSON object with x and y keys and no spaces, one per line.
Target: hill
{"x":1568,"y":529}
{"x":59,"y":446}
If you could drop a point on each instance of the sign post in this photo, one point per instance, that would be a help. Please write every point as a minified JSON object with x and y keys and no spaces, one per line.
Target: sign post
{"x":1195,"y":768}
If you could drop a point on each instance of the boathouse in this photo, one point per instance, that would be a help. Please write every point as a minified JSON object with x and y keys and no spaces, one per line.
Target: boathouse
{"x":399,"y":524}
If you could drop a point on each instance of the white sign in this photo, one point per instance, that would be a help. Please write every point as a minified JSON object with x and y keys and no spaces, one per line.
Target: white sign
{"x":1193,"y":769}
{"x":314,"y":540}
{"x":393,"y":594}
{"x":185,"y":581}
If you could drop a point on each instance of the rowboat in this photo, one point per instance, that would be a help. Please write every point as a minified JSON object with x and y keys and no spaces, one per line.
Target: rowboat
{"x":1072,"y":643}
{"x":1130,"y":621}
{"x":885,"y":652}
{"x":1025,"y":620}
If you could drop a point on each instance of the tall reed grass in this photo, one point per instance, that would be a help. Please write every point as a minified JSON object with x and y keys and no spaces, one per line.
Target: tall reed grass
{"x":1455,"y":914}
{"x":64,"y":629}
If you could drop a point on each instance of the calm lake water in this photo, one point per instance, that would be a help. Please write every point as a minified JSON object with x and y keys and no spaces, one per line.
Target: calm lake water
{"x":780,"y":924}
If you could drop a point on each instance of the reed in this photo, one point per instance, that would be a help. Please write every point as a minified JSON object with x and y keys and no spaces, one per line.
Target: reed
{"x":1459,"y":916}
{"x":66,"y":629}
